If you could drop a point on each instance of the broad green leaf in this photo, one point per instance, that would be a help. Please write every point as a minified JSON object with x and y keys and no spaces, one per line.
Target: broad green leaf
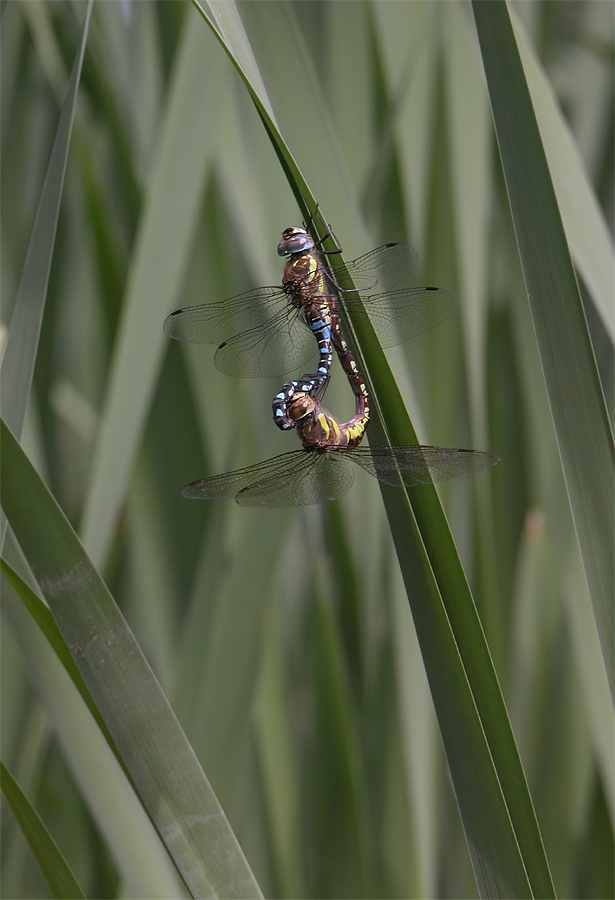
{"x":584,"y":436}
{"x":586,"y":650}
{"x":347,"y":830}
{"x":166,"y":230}
{"x":419,"y":743}
{"x":168,"y":777}
{"x":264,"y":28}
{"x":471,"y":164}
{"x":102,"y":783}
{"x":277,"y":760}
{"x":406,"y":34}
{"x":219,"y":649}
{"x":53,"y":866}
{"x":42,"y":616}
{"x":586,"y":228}
{"x":22,"y":345}
{"x":472,"y":185}
{"x":19,"y":358}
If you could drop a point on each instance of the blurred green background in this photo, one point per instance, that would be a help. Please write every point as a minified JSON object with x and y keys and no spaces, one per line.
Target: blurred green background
{"x":283,"y":639}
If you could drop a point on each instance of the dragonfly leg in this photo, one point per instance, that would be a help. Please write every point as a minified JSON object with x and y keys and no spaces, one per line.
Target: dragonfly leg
{"x":320,"y":382}
{"x":313,"y":214}
{"x":329,"y":233}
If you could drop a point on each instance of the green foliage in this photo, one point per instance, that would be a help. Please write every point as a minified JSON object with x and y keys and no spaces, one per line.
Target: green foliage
{"x":284,"y":639}
{"x":58,"y":876}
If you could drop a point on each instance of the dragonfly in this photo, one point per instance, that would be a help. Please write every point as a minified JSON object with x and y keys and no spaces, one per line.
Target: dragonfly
{"x":263,"y":332}
{"x":321,"y":470}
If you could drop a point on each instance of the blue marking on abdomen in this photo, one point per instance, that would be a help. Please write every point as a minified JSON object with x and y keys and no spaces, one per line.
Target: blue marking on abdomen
{"x":321,"y":325}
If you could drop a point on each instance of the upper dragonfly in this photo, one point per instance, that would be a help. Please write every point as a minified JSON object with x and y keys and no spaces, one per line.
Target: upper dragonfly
{"x":263,"y":332}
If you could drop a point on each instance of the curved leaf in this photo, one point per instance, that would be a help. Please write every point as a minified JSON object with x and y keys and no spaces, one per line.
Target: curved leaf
{"x":584,"y":436}
{"x":17,"y":368}
{"x":168,"y":777}
{"x":54,"y":868}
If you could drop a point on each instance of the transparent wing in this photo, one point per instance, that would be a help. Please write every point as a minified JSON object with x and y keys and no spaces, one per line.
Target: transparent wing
{"x":377,"y":270}
{"x":260,"y":333}
{"x":419,"y":464}
{"x":280,"y":344}
{"x":400,"y":315}
{"x":298,"y":478}
{"x":212,"y":323}
{"x":314,"y":479}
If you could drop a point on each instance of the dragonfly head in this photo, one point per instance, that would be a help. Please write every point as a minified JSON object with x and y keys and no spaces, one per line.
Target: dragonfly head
{"x":300,"y":406}
{"x":295,"y":240}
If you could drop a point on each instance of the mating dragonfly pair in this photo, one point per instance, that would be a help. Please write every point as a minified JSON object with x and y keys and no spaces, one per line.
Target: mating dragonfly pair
{"x":266,"y":332}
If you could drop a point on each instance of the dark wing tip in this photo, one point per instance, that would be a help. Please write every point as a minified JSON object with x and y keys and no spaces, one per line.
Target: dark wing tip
{"x":486,"y":458}
{"x":167,"y":325}
{"x":189,"y":491}
{"x":490,"y":459}
{"x":444,"y":294}
{"x":485,"y":453}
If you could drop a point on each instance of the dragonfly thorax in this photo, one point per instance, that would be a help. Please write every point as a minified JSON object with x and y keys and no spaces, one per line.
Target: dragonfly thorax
{"x":295,"y":240}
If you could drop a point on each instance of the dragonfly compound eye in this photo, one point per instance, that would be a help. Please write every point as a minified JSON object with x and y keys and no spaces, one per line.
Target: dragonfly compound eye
{"x":295,"y":240}
{"x":300,"y":406}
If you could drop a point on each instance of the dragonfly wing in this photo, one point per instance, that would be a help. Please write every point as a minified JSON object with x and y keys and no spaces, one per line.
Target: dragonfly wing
{"x":399,"y":315}
{"x":280,"y":344}
{"x":302,"y":479}
{"x":297,"y":478}
{"x":212,"y":323}
{"x":420,"y":464}
{"x":229,"y":484}
{"x":378,"y":270}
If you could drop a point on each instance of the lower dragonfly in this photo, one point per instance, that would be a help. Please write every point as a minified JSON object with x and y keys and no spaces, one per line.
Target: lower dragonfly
{"x":320,"y":470}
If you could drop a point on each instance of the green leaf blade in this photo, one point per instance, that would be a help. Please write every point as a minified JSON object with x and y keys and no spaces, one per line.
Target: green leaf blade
{"x":54,"y":868}
{"x":584,"y":435}
{"x":168,"y":777}
{"x":22,"y":345}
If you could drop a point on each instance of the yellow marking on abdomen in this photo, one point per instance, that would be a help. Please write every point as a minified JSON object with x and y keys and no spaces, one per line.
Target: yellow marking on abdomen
{"x":355,"y":432}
